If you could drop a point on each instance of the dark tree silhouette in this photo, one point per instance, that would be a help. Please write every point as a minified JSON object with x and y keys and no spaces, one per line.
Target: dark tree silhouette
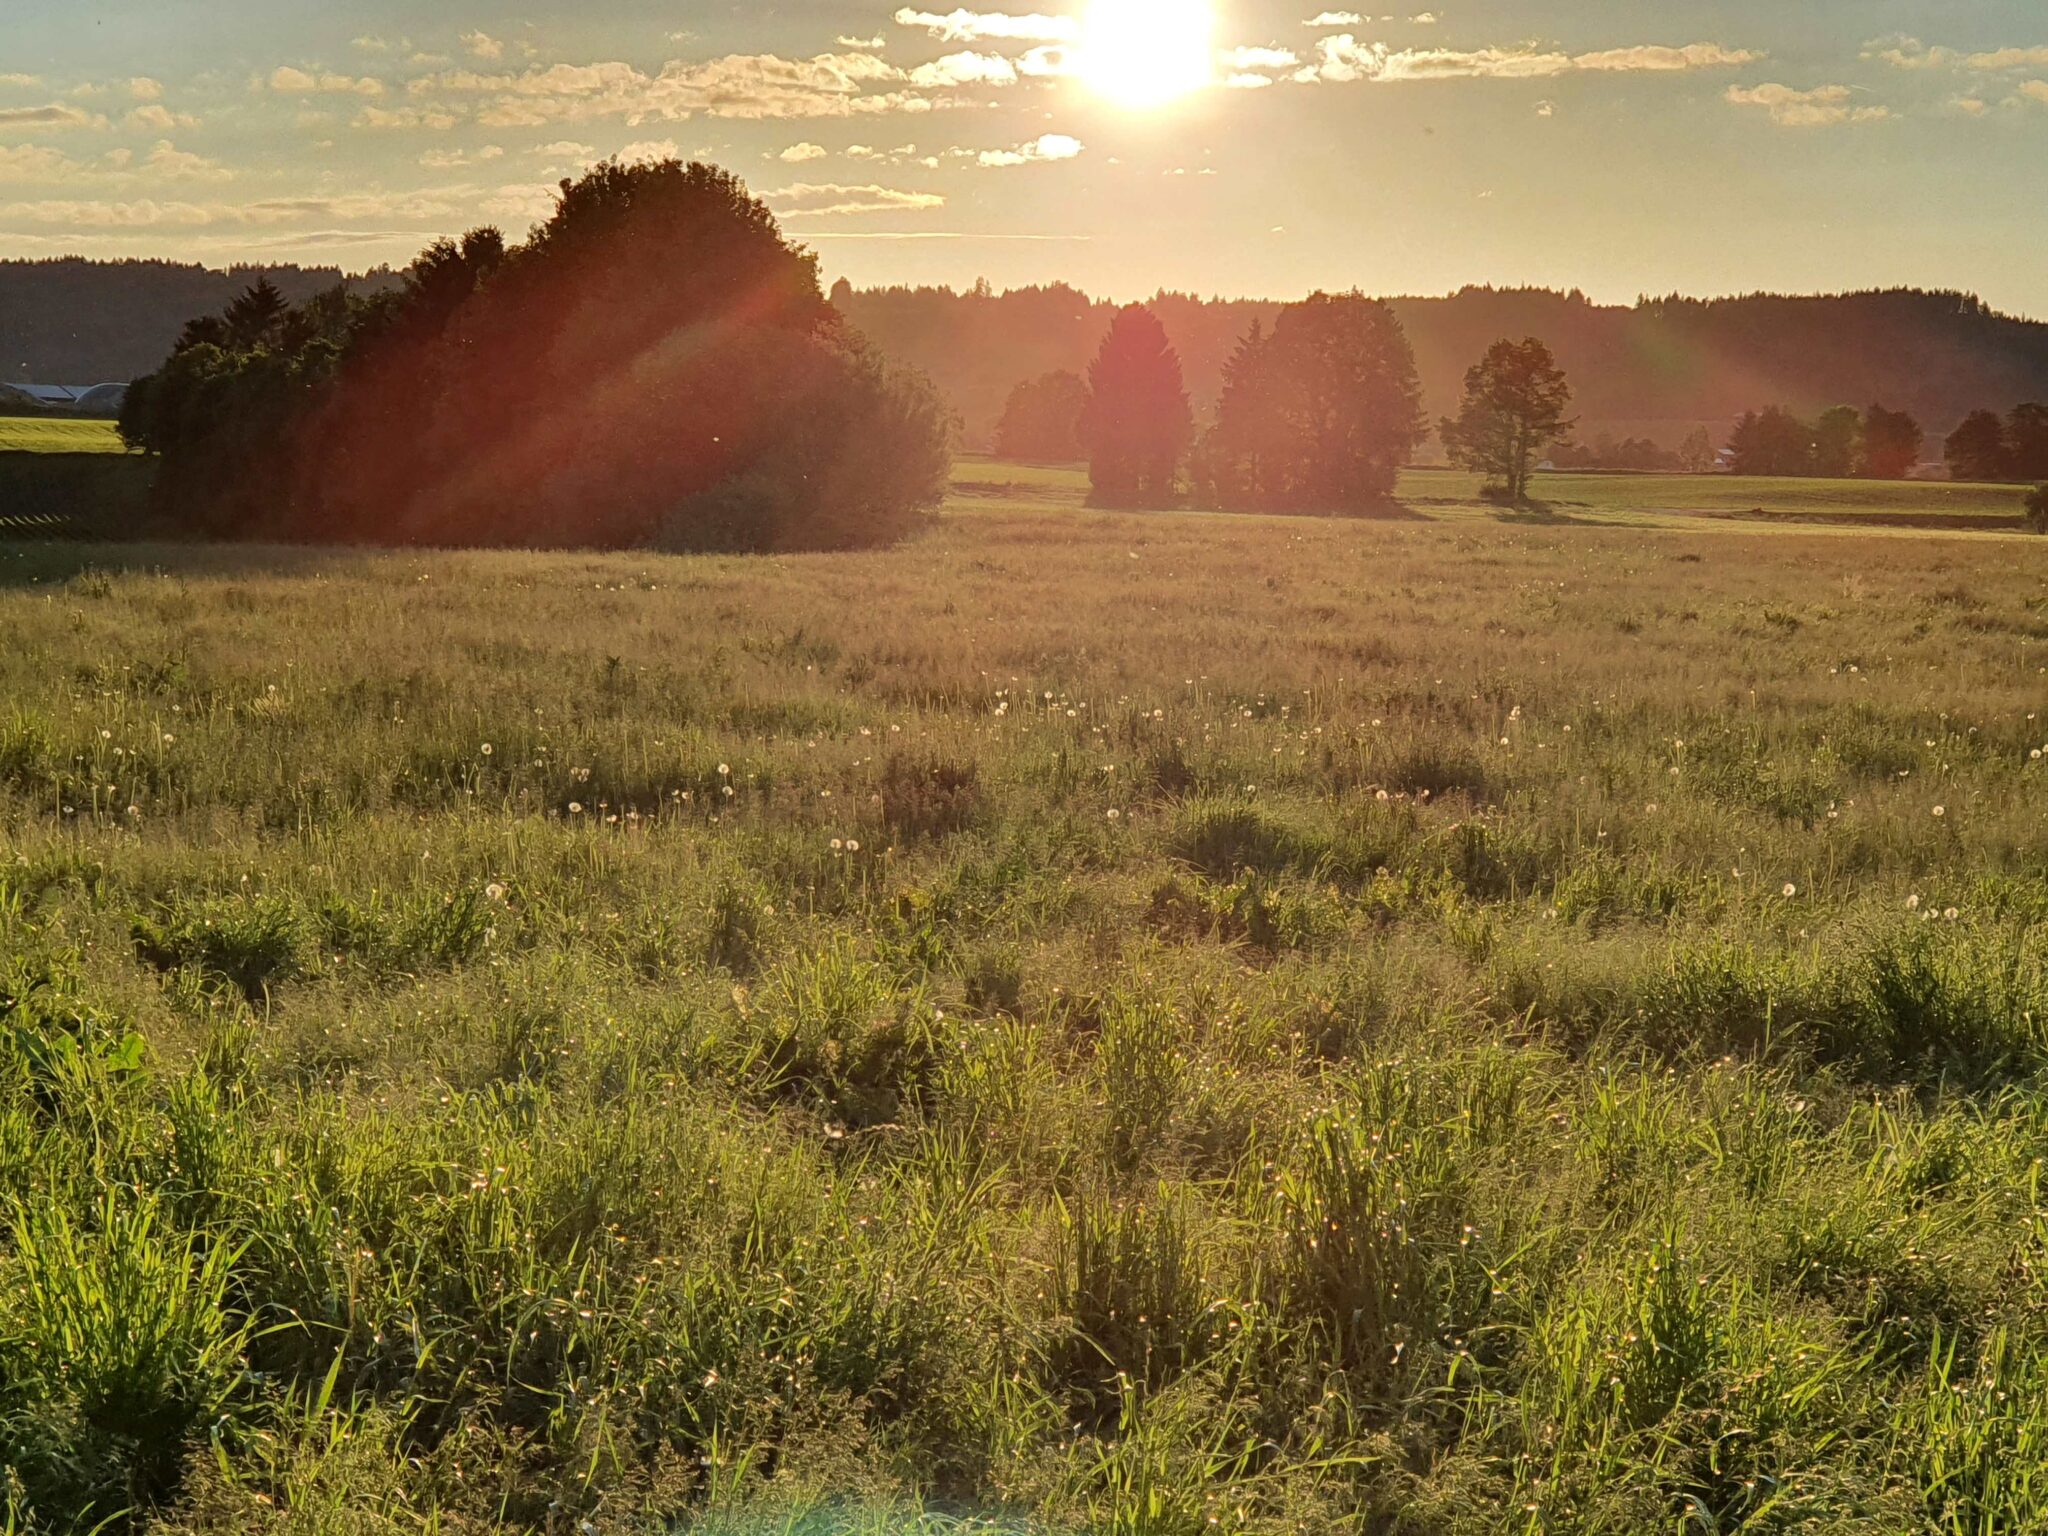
{"x":2026,"y":435}
{"x":1838,"y":443}
{"x":655,"y":364}
{"x":1891,"y":444}
{"x":253,"y":317}
{"x":1138,"y":424}
{"x":2037,"y":509}
{"x":1043,"y":419}
{"x":1774,"y":442}
{"x":1977,"y":450}
{"x":1514,"y":409}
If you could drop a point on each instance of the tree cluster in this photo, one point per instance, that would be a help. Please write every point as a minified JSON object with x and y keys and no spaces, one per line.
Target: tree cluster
{"x":653,"y":365}
{"x":1319,"y":413}
{"x":1989,"y":447}
{"x":1042,"y":421}
{"x":1843,"y":443}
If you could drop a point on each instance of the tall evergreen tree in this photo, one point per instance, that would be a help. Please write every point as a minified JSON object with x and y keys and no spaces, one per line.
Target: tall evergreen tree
{"x":254,"y":316}
{"x":1138,"y":425}
{"x":1514,"y":409}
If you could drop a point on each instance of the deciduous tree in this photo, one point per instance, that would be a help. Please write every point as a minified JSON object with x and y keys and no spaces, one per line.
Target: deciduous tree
{"x":1514,"y":408}
{"x":1977,"y":449}
{"x":1891,"y":444}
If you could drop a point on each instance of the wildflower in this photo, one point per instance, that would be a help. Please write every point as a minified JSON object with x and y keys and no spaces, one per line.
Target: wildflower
{"x":495,"y":891}
{"x":1114,"y":814}
{"x":106,"y":735}
{"x":1941,"y":810}
{"x":575,"y":807}
{"x":1951,"y":914}
{"x":853,"y":845}
{"x":1381,"y":795}
{"x":485,"y":749}
{"x":724,"y":770}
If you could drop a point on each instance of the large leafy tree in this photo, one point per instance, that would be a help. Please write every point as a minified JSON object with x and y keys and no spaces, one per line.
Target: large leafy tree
{"x":1771,"y":442}
{"x":1977,"y":449}
{"x":1138,"y":425}
{"x":1319,"y":414}
{"x":654,"y":364}
{"x":1043,"y":419}
{"x":1514,"y":408}
{"x":1838,"y":443}
{"x":1891,"y":443}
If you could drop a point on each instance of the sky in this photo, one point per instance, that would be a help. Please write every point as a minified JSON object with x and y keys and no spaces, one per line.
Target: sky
{"x":1257,"y":148}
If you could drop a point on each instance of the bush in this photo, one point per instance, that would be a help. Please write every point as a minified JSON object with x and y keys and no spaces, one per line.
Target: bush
{"x":2037,"y":509}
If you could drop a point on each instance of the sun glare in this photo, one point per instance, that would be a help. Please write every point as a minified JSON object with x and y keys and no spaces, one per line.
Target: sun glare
{"x":1145,"y":53}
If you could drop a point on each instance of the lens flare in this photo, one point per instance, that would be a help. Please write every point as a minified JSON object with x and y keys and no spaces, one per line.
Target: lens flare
{"x":1146,"y":53}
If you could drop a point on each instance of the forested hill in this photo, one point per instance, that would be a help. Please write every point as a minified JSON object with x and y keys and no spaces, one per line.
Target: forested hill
{"x":1657,"y":368}
{"x":73,"y":321}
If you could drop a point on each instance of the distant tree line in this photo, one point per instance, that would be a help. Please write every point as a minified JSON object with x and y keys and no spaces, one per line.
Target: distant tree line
{"x":654,"y":365}
{"x":1990,"y":447}
{"x":1843,"y":443}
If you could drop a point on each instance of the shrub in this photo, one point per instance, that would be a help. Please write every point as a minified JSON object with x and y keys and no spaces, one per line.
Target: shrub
{"x":249,"y":944}
{"x":2037,"y":508}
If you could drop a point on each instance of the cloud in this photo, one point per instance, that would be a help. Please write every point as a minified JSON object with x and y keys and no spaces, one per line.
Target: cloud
{"x":1343,"y":58}
{"x":160,"y":118}
{"x":972,"y":26}
{"x":565,"y":149}
{"x":169,"y":163}
{"x":1259,"y":58}
{"x":142,"y":88}
{"x":298,"y":82}
{"x":2035,"y":90}
{"x":2009,"y":58}
{"x":24,"y":82}
{"x":1247,"y":82}
{"x":1336,"y":19}
{"x":36,"y":163}
{"x":831,"y":199}
{"x":449,"y":159}
{"x":482,"y":45}
{"x":404,"y":118}
{"x":754,"y":86}
{"x":56,"y":115}
{"x":1049,"y":146}
{"x":370,"y":43}
{"x":864,"y":44}
{"x":649,"y":149}
{"x":1822,"y":107}
{"x":965,"y":69}
{"x":796,"y":154}
{"x":1904,"y":52}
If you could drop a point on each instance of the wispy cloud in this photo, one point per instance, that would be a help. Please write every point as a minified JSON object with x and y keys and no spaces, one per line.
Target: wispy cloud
{"x":963,"y":26}
{"x":1344,"y":58}
{"x":293,"y":81}
{"x":830,"y":199}
{"x":1047,"y":146}
{"x":56,"y":114}
{"x":1822,"y":107}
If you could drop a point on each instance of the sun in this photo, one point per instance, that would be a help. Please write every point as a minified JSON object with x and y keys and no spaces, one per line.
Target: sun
{"x":1145,"y":53}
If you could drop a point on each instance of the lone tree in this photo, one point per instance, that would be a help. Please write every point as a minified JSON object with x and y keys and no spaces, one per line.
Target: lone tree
{"x":1977,"y":450}
{"x":1137,"y":426}
{"x":1043,"y":419}
{"x":1515,"y":402}
{"x":2026,"y":434}
{"x":1318,"y":415}
{"x":1891,"y":444}
{"x":1696,"y":455}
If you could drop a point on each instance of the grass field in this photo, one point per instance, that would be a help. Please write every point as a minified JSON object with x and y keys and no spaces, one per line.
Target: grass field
{"x":1155,"y":1024}
{"x":1629,"y":499}
{"x":58,"y":434}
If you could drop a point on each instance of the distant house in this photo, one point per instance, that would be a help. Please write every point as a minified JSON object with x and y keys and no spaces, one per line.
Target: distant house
{"x":98,"y":399}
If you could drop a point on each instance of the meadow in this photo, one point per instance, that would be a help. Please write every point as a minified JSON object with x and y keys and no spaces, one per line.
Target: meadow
{"x":1153,"y":1024}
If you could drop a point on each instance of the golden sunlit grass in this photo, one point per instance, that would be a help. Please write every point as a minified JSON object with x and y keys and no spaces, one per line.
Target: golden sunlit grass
{"x":1144,"y":54}
{"x":1156,"y":1024}
{"x":58,"y":434}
